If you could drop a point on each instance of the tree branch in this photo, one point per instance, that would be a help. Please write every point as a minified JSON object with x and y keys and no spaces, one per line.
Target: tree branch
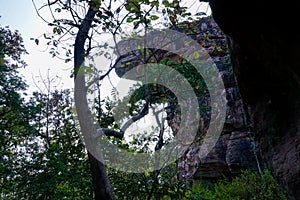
{"x":38,"y":13}
{"x":110,"y":132}
{"x":158,"y":146}
{"x":135,"y":118}
{"x":100,"y":78}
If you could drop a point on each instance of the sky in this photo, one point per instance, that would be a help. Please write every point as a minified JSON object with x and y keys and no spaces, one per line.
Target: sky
{"x":20,"y":15}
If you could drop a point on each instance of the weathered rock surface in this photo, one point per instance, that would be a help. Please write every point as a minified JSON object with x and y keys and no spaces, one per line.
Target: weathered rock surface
{"x":265,"y":51}
{"x":235,"y":149}
{"x":232,"y":153}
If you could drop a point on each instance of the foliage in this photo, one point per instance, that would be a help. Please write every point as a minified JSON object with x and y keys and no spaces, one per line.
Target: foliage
{"x":113,"y":17}
{"x":144,"y":185}
{"x":249,"y":185}
{"x":11,"y":49}
{"x":13,"y":112}
{"x":149,"y":185}
{"x":61,"y":158}
{"x":41,"y":153}
{"x":50,"y":162}
{"x":91,"y":18}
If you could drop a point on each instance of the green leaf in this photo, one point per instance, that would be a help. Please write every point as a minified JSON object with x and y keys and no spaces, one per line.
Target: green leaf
{"x":154,"y":17}
{"x":155,"y":3}
{"x":166,"y":3}
{"x":140,"y":49}
{"x":129,"y":19}
{"x":196,"y":55}
{"x":136,"y":24}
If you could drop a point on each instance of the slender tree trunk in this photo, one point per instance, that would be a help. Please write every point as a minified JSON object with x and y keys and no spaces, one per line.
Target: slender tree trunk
{"x":102,"y":186}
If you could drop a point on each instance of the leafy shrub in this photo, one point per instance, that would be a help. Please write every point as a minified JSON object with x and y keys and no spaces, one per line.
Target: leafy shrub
{"x":249,"y":185}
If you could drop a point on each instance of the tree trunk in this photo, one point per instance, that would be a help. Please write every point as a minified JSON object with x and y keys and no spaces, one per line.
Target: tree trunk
{"x":102,"y":186}
{"x":101,"y":183}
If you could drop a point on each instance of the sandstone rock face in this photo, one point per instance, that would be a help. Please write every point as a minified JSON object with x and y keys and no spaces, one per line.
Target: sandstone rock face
{"x":235,"y":150}
{"x":265,"y":58}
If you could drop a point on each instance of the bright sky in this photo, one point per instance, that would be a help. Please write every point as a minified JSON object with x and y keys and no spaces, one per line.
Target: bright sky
{"x":20,"y":15}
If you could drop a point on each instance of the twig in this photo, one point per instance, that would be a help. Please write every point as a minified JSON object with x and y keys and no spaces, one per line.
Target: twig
{"x":38,"y":13}
{"x":100,"y":78}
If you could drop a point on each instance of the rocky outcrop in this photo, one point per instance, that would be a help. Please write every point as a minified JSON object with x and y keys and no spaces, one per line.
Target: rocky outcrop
{"x":235,"y":149}
{"x":232,"y":153}
{"x":265,"y":51}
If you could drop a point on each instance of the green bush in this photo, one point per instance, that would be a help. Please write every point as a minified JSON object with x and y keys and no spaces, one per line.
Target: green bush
{"x":249,"y":185}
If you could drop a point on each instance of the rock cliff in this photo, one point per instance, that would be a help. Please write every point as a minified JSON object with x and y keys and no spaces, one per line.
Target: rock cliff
{"x":265,"y":53}
{"x":236,"y":149}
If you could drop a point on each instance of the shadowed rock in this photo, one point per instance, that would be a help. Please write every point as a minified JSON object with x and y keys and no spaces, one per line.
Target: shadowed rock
{"x":235,"y":149}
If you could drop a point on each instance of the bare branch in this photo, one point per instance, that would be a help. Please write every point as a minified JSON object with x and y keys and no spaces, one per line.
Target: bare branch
{"x":160,"y":141}
{"x":110,"y":132}
{"x":38,"y":13}
{"x":68,"y":31}
{"x":73,"y":13}
{"x":49,"y":5}
{"x":90,"y":45}
{"x":120,"y":23}
{"x":120,"y":134}
{"x":100,"y":78}
{"x":137,"y":117}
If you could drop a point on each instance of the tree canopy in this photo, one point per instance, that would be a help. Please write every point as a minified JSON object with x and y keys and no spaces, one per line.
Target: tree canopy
{"x":43,"y":153}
